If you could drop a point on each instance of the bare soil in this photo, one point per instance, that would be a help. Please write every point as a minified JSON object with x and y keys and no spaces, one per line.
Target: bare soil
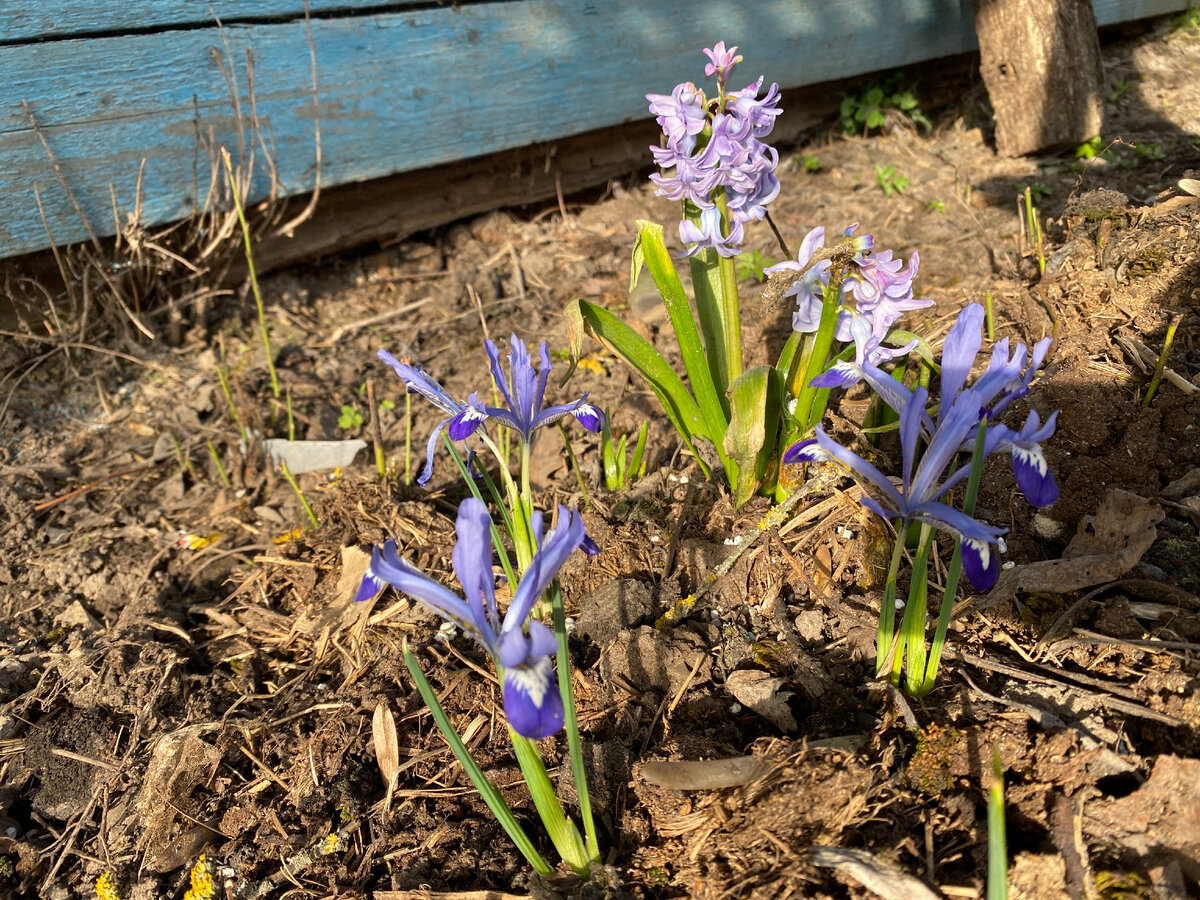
{"x":164,"y":698}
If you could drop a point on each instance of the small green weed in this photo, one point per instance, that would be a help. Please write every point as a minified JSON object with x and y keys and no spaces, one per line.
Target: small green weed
{"x":1150,"y":152}
{"x":1187,"y":21}
{"x":889,"y":180}
{"x":1123,"y":89}
{"x":937,"y":206}
{"x":350,"y":418}
{"x":751,"y":263}
{"x":864,"y":112}
{"x":809,"y":163}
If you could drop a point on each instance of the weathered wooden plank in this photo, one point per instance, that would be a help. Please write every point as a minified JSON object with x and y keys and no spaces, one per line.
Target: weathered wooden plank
{"x":40,"y":20}
{"x":400,"y":91}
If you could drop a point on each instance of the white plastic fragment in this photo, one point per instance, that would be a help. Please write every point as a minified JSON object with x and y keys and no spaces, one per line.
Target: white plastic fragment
{"x":310,"y":456}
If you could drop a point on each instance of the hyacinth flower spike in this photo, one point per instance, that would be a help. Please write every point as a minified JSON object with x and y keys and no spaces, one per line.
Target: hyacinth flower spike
{"x":521,"y":648}
{"x":418,"y":382}
{"x":918,"y":499}
{"x":524,"y":394}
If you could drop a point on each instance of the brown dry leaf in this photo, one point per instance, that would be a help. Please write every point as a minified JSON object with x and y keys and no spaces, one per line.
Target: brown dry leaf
{"x":1106,"y":546}
{"x":387,"y":742}
{"x":180,"y":761}
{"x":872,"y":873}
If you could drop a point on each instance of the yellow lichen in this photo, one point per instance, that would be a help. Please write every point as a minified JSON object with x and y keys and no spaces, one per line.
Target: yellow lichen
{"x":202,"y":881}
{"x":106,"y":887}
{"x":676,"y":613}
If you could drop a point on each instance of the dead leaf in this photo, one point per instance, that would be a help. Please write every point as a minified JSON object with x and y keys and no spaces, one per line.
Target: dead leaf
{"x":872,"y":873}
{"x":1105,"y":547}
{"x":387,"y":742}
{"x":179,"y":763}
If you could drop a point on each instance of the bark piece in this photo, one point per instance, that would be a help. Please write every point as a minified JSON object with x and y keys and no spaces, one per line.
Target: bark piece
{"x":1040,"y":60}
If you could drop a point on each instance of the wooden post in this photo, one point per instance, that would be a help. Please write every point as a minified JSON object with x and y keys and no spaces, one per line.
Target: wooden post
{"x":1040,"y":60}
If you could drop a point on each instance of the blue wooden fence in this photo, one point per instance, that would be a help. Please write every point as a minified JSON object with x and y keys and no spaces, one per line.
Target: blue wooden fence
{"x":110,"y":103}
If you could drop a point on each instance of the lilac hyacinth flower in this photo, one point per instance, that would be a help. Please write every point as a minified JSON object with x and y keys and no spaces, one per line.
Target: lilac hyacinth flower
{"x":869,"y":353}
{"x":524,"y":396}
{"x":717,"y":145}
{"x":721,"y":60}
{"x":418,"y":382}
{"x":522,"y":648}
{"x":918,"y":499}
{"x":809,"y":288}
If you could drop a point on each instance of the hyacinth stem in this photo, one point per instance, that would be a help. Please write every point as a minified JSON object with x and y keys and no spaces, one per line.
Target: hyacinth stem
{"x":491,"y":795}
{"x":815,"y":360}
{"x":571,"y":724}
{"x":887,"y":609}
{"x":925,"y":679}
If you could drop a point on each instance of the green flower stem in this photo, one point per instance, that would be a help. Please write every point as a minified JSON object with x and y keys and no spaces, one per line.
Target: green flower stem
{"x":887,"y":609}
{"x":816,"y":359}
{"x":571,"y":723}
{"x":291,"y":479}
{"x":563,"y":832}
{"x":913,"y":624}
{"x":997,"y":880}
{"x":927,"y":677}
{"x":258,"y":301}
{"x":491,"y":795}
{"x":497,"y":538}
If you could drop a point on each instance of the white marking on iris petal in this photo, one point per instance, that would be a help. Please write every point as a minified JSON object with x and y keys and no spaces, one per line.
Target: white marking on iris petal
{"x":532,"y":680}
{"x":1032,"y":457}
{"x":983,"y":550}
{"x":471,"y":414}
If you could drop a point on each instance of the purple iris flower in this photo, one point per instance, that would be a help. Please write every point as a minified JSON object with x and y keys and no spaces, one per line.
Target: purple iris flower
{"x":524,"y":396}
{"x":1006,"y":378}
{"x":918,"y":499}
{"x":418,"y":382}
{"x":521,"y":647}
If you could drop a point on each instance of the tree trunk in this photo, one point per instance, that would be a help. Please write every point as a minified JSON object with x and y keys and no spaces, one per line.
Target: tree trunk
{"x":1040,"y":61}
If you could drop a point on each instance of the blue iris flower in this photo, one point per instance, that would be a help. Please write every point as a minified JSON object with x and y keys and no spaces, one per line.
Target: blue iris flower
{"x":524,"y":394}
{"x":919,"y":496}
{"x":521,"y":647}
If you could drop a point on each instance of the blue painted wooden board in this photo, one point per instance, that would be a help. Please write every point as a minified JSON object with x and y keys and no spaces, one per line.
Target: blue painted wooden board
{"x":26,"y":20}
{"x":400,"y":91}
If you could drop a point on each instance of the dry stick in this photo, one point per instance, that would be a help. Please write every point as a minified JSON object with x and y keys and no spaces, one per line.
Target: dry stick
{"x":1111,"y":701}
{"x":376,"y":432}
{"x":62,"y":179}
{"x":305,"y":214}
{"x":40,"y":507}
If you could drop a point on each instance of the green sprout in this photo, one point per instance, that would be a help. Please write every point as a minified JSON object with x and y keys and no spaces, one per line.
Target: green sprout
{"x":1123,"y":89}
{"x":889,"y":180}
{"x":621,"y":471}
{"x":809,"y":163}
{"x":350,"y":418}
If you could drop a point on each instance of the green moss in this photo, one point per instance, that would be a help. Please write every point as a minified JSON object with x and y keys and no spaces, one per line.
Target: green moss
{"x":1149,"y":261}
{"x":928,"y":772}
